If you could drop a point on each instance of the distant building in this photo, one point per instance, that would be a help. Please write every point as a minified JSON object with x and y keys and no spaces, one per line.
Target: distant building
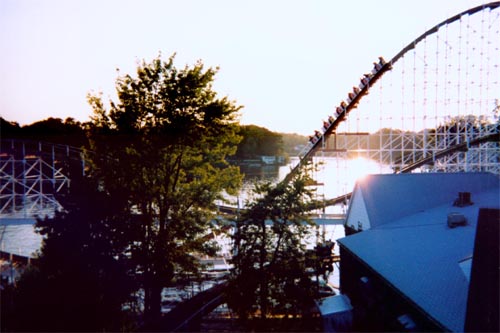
{"x":272,"y":160}
{"x":410,"y":263}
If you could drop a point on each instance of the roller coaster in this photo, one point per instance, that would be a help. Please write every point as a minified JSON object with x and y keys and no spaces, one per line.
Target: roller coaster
{"x":33,"y":174}
{"x":432,"y":107}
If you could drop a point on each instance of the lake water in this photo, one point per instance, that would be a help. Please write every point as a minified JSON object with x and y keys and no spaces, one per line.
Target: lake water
{"x":335,"y":176}
{"x":18,"y":236}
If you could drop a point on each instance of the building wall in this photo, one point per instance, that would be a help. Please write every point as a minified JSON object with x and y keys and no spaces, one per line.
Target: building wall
{"x":483,"y":308}
{"x":377,"y":305}
{"x":358,"y":219}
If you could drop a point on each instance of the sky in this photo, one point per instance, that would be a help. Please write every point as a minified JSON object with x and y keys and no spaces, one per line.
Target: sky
{"x":286,"y":62}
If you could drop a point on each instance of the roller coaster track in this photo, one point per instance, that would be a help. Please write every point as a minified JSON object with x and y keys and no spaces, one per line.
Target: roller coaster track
{"x":186,"y":316}
{"x":319,"y":144}
{"x":459,"y":147}
{"x":333,"y":126}
{"x":491,"y":5}
{"x":427,"y":160}
{"x":31,"y":173}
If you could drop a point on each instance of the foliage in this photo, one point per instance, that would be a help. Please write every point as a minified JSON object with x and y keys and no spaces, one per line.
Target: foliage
{"x":9,"y":128}
{"x":164,"y":146}
{"x":269,"y":276}
{"x":55,"y":130}
{"x":259,"y":141}
{"x":293,"y":143}
{"x":81,"y":280}
{"x":457,"y":129}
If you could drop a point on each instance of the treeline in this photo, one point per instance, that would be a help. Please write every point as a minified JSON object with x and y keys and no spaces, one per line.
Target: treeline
{"x":256,"y":141}
{"x":53,"y":130}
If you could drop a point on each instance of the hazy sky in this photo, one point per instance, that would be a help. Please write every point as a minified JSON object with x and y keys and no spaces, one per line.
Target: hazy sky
{"x":287,"y":62}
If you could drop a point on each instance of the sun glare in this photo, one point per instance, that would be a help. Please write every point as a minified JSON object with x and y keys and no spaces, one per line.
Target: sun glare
{"x":360,"y":167}
{"x":341,"y":174}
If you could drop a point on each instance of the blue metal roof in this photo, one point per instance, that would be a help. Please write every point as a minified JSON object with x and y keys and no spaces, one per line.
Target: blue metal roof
{"x":390,"y":197}
{"x":410,"y":244}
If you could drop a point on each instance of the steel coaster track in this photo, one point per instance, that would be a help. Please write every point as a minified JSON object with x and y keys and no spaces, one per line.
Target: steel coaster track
{"x":33,"y":166}
{"x":427,"y":160}
{"x":333,"y":126}
{"x":386,"y":67}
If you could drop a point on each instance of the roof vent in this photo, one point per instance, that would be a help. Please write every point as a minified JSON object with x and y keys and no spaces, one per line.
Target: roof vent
{"x":456,"y":220}
{"x":463,"y":200}
{"x":407,"y":322}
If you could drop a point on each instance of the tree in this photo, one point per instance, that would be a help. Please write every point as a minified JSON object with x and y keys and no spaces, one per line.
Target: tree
{"x":269,"y":276}
{"x":69,"y":131}
{"x":164,"y":145}
{"x":81,"y":280}
{"x":293,"y":143}
{"x":259,"y":141}
{"x":9,"y":129}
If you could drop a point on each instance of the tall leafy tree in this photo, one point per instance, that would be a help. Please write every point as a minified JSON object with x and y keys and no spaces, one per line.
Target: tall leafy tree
{"x":164,"y":145}
{"x":81,"y":280}
{"x":269,"y":276}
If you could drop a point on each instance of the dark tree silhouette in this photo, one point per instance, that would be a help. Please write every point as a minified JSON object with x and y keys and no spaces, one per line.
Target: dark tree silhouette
{"x":54,"y":130}
{"x":81,"y":280}
{"x":270,"y":275}
{"x":259,"y":141}
{"x":164,"y":145}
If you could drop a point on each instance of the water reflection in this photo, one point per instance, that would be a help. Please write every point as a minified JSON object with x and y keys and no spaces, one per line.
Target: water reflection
{"x":18,"y":236}
{"x":334,"y":176}
{"x":338,"y":177}
{"x":260,"y":172}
